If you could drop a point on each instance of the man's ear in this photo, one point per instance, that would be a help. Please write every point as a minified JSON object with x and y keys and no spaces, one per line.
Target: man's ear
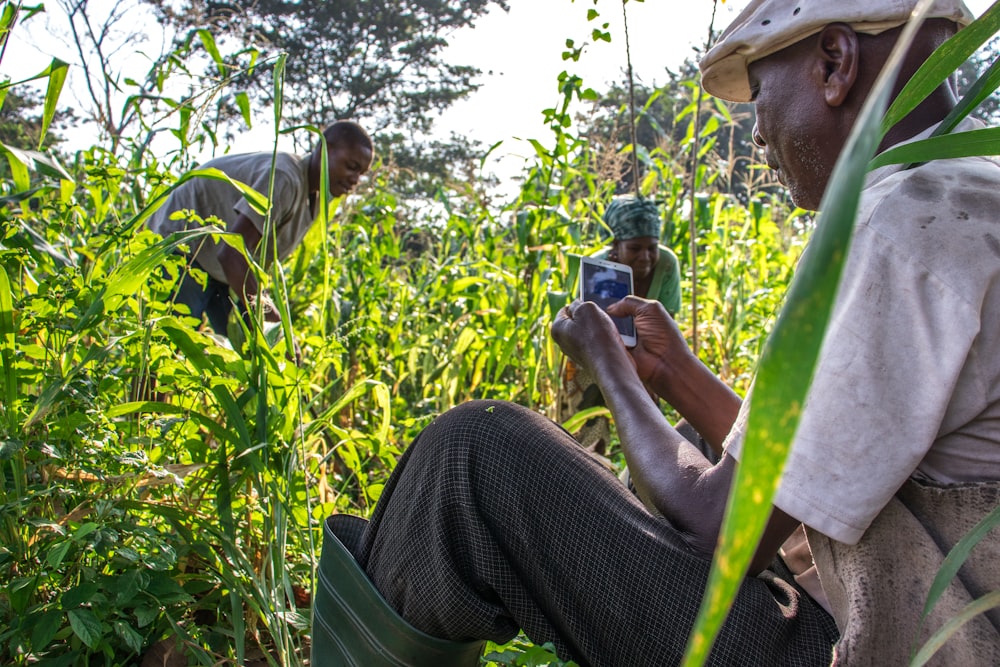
{"x":839,"y":52}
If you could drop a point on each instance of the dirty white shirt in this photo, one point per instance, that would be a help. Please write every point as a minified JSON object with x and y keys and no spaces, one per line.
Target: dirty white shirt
{"x":220,"y":203}
{"x":908,"y":379}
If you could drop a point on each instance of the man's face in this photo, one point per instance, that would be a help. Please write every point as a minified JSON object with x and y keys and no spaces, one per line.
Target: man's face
{"x":346,"y":166}
{"x":795,"y":126}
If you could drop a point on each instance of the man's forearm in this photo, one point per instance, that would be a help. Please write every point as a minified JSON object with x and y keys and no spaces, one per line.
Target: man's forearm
{"x":668,"y":471}
{"x":706,"y":402}
{"x":238,"y":274}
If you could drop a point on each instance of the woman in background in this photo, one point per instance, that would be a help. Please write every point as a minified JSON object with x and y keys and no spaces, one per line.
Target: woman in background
{"x":635,"y":226}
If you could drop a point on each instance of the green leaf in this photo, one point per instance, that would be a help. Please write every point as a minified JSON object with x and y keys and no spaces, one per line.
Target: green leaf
{"x":984,"y":86}
{"x":126,"y":278}
{"x":56,"y":554}
{"x":956,"y":558}
{"x":279,"y":87}
{"x":7,"y":350}
{"x":208,"y":41}
{"x":57,"y":77}
{"x":984,"y":141}
{"x":944,"y":61}
{"x":44,"y":629}
{"x":131,"y":638}
{"x":258,"y":201}
{"x":82,"y":594}
{"x":18,"y":162}
{"x":243,"y":102}
{"x":86,"y":626}
{"x":937,"y":640}
{"x":575,"y":422}
{"x":146,"y":615}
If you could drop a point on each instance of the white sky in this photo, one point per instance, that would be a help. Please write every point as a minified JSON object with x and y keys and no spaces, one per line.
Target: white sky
{"x":519,"y":53}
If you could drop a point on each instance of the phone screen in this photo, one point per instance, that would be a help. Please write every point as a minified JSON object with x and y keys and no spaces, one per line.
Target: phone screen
{"x":605,"y":283}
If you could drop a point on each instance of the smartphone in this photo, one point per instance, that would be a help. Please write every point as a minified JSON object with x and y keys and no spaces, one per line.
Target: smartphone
{"x":605,"y":283}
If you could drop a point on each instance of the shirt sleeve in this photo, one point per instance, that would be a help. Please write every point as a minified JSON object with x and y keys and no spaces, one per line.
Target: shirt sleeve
{"x":895,"y":346}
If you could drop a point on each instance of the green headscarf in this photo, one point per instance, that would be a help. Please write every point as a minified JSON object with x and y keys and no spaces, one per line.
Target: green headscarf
{"x":631,"y":217}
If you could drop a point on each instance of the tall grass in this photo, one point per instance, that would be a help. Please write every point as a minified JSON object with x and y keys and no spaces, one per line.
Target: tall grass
{"x":161,"y":486}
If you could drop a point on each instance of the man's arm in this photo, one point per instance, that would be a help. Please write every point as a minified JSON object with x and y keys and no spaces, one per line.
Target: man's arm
{"x":238,"y":274}
{"x":668,"y":471}
{"x":667,"y":366}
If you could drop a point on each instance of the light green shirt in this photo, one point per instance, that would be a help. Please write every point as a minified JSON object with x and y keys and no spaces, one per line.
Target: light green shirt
{"x":666,"y":285}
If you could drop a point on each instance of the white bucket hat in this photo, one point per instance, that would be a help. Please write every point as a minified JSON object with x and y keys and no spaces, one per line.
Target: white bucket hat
{"x":768,"y":26}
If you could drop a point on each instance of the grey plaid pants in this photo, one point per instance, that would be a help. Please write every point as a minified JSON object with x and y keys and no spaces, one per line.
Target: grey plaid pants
{"x":495,"y":519}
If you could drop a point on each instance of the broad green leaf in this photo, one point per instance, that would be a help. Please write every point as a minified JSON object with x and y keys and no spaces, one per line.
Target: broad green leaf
{"x":788,"y":359}
{"x":18,"y":161}
{"x":86,"y":626}
{"x":44,"y":629}
{"x":985,"y":141}
{"x":57,"y":77}
{"x":55,"y":555}
{"x":131,"y":638}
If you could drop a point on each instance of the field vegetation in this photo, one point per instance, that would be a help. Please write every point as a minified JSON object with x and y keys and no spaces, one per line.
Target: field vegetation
{"x":162,"y":489}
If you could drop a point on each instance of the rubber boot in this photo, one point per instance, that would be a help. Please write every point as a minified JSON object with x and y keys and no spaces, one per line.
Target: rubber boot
{"x":353,"y":625}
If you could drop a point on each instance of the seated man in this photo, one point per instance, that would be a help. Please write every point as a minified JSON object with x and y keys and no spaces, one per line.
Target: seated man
{"x":294,"y":209}
{"x":494,"y":520}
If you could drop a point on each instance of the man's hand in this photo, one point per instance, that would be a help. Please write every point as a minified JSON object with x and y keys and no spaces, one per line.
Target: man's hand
{"x":585,"y":333}
{"x":658,"y":339}
{"x":271,"y":313}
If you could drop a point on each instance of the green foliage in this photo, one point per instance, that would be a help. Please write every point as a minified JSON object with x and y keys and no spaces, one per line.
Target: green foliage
{"x":161,"y":483}
{"x":158,"y":481}
{"x":519,"y":652}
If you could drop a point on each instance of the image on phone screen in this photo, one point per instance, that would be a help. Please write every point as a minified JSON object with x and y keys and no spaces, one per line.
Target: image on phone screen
{"x":605,"y":283}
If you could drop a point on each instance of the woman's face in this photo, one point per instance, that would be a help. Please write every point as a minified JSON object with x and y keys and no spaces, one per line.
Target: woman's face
{"x":640,"y":253}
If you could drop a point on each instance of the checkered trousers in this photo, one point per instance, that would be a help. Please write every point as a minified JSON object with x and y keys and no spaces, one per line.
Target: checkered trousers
{"x":495,"y":519}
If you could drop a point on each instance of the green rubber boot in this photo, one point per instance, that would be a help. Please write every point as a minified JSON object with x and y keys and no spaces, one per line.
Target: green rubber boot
{"x":353,"y":626}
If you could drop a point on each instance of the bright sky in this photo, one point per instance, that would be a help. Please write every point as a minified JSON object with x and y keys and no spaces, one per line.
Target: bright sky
{"x":518,"y":51}
{"x":520,"y":54}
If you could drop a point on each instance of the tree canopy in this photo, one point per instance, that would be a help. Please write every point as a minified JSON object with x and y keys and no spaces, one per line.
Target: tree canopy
{"x":376,"y":61}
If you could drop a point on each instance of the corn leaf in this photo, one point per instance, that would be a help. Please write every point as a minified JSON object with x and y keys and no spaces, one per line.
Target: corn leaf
{"x":973,"y":609}
{"x":57,"y":77}
{"x":960,"y":144}
{"x":942,"y":64}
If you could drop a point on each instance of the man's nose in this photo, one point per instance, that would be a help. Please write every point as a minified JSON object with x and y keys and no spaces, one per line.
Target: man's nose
{"x":757,"y":139}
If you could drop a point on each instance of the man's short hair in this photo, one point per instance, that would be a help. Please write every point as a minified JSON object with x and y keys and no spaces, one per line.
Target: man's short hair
{"x":768,"y":26}
{"x":347,"y":133}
